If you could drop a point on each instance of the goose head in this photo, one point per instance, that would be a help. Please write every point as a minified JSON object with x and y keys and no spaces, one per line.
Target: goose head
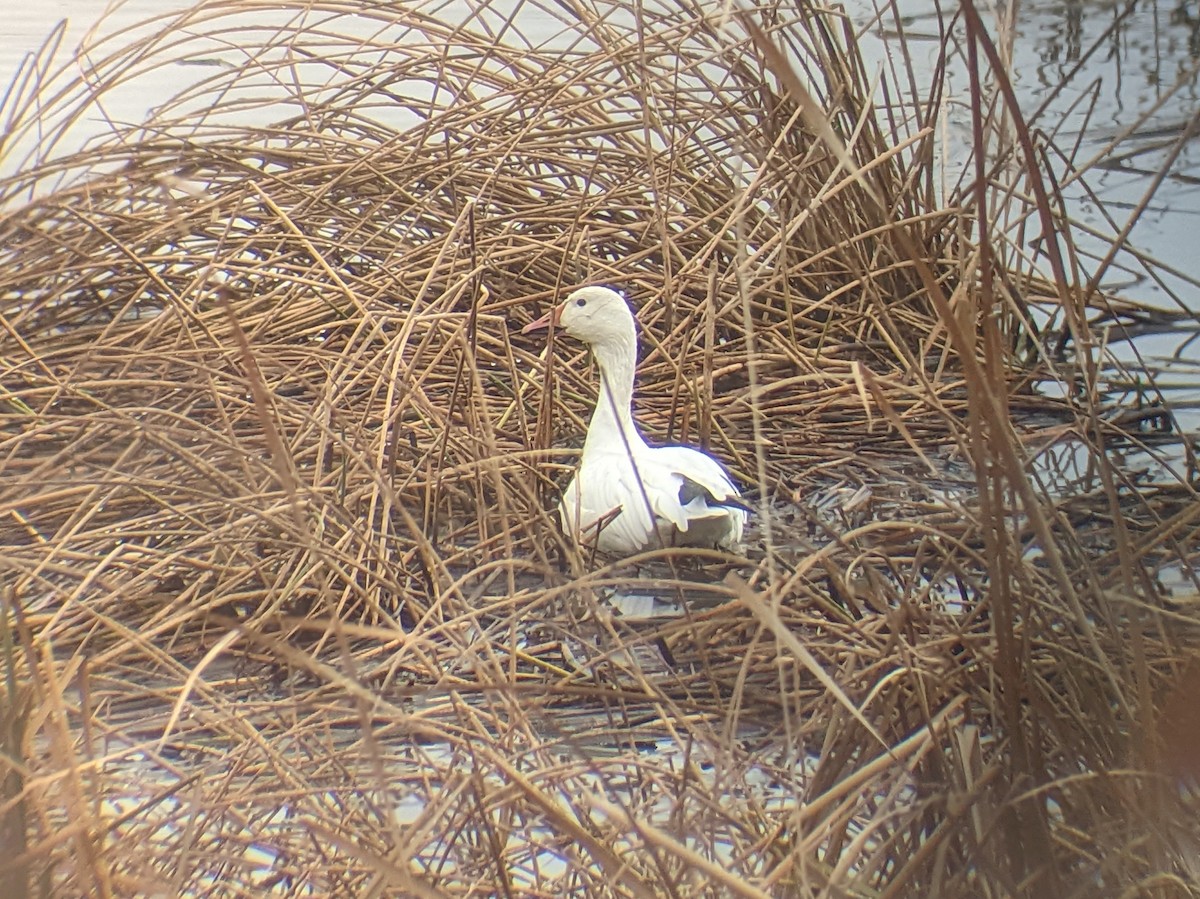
{"x":596,"y":316}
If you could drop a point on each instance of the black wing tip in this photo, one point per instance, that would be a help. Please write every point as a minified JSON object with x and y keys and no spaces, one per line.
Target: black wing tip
{"x":690,"y":490}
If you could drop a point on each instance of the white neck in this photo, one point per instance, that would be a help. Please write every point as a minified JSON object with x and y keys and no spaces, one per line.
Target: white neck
{"x":613,"y":417}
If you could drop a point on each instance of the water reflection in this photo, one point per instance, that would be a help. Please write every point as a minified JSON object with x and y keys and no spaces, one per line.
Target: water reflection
{"x":1181,"y":15}
{"x":1063,"y":44}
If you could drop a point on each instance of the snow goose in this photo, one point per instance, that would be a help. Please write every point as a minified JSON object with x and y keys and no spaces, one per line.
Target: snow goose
{"x":628,"y":496}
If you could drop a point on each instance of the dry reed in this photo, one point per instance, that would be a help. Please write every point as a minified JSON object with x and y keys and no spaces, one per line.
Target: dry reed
{"x":285,"y":613}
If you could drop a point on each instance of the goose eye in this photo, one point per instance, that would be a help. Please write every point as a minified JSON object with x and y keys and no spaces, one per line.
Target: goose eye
{"x":581,"y":302}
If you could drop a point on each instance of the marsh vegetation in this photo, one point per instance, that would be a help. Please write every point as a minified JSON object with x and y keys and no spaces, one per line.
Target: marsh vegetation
{"x":286,"y":610}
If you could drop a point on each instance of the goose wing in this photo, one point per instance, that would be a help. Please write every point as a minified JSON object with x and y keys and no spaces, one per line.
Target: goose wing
{"x":686,"y":485}
{"x":663,"y":488}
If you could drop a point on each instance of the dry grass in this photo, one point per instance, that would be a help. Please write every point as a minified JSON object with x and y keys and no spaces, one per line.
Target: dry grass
{"x":284,"y":612}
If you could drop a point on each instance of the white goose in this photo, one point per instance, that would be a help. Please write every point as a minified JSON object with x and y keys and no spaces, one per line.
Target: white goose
{"x":638,"y":496}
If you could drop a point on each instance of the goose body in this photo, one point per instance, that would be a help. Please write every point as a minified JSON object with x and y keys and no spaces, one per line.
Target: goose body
{"x":628,"y":496}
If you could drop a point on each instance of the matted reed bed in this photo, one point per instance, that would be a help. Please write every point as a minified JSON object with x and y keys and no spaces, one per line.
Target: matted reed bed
{"x":285,"y":612}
